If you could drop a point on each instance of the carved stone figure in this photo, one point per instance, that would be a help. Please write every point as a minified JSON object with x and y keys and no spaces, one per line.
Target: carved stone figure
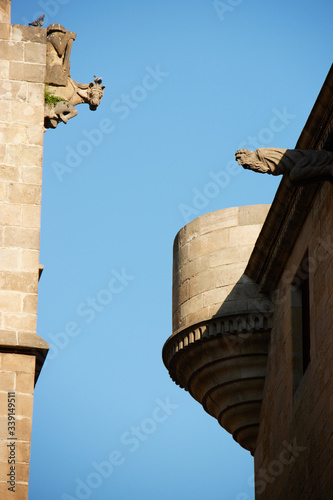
{"x":60,"y":83}
{"x":61,"y":112}
{"x":58,"y":49}
{"x":77,"y":93}
{"x":298,"y":164}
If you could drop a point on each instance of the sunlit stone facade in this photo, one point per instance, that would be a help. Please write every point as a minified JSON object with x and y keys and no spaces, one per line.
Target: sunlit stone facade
{"x":253,"y":324}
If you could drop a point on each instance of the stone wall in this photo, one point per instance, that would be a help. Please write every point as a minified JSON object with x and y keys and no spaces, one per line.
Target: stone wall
{"x":22,"y":76}
{"x":17,"y":375}
{"x":293,"y":458}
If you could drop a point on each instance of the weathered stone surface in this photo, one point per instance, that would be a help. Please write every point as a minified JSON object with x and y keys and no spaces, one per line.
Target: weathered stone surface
{"x":9,"y":173}
{"x":228,"y":217}
{"x":36,"y":93}
{"x":59,"y":46}
{"x":60,"y":112}
{"x":10,"y":302}
{"x":12,"y":134}
{"x":27,"y":72}
{"x":13,"y":91}
{"x":4,"y":31}
{"x":299,"y":165}
{"x":229,"y":274}
{"x":5,"y":11}
{"x":20,"y":322}
{"x":22,"y":454}
{"x":35,"y":134}
{"x":35,"y":53}
{"x":21,"y":491}
{"x":24,"y":155}
{"x":252,"y":214}
{"x":31,"y":175}
{"x":208,"y":258}
{"x":17,"y":362}
{"x":7,"y":382}
{"x":31,"y":216}
{"x":24,"y":193}
{"x":244,"y":235}
{"x":30,"y":303}
{"x":22,"y":237}
{"x":60,"y":83}
{"x":27,"y":34}
{"x":24,"y":112}
{"x":19,"y":281}
{"x":8,"y":338}
{"x":11,"y":52}
{"x":21,"y":473}
{"x":32,"y":340}
{"x":24,"y":383}
{"x":29,"y":259}
{"x":4,"y":69}
{"x":5,"y":111}
{"x":10,"y":214}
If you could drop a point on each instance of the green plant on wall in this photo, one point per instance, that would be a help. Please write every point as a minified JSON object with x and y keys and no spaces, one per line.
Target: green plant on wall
{"x":50,"y":98}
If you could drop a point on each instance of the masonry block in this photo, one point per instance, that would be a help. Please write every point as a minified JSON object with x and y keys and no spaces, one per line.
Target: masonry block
{"x":26,"y":72}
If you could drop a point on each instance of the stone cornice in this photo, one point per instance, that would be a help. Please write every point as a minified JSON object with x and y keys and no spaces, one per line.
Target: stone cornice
{"x":222,"y":364}
{"x":231,"y":328}
{"x":291,"y":204}
{"x":25,"y":343}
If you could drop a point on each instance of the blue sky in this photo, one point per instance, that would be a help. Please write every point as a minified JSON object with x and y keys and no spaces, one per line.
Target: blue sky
{"x":187,"y":84}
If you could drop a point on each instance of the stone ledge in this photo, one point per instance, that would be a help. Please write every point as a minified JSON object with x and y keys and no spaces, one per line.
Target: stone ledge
{"x":25,"y":343}
{"x":10,"y":338}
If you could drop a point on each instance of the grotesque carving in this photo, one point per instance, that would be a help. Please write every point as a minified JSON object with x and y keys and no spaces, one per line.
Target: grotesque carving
{"x":299,"y":165}
{"x":77,"y":93}
{"x":60,"y":83}
{"x":61,"y":112}
{"x":58,"y":49}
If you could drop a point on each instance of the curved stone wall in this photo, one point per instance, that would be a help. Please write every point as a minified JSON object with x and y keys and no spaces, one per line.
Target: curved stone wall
{"x":221,"y":322}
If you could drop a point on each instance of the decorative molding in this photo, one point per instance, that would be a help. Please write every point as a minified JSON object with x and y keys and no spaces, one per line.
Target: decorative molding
{"x":222,"y":364}
{"x":227,"y":326}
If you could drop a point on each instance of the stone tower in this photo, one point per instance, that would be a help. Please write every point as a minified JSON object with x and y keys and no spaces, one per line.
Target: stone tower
{"x":22,"y":351}
{"x":30,"y":57}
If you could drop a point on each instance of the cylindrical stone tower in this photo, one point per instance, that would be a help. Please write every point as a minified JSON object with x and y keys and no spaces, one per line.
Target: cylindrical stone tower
{"x":221,"y":322}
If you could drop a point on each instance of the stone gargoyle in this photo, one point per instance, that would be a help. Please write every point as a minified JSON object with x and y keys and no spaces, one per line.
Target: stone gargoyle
{"x":299,"y":165}
{"x":62,"y":111}
{"x":67,"y":92}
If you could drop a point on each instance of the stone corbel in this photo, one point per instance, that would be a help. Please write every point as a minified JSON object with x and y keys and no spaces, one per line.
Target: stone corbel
{"x":300,"y":166}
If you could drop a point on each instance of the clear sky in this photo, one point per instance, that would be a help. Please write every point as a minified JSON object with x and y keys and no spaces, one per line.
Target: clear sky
{"x":187,"y":84}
